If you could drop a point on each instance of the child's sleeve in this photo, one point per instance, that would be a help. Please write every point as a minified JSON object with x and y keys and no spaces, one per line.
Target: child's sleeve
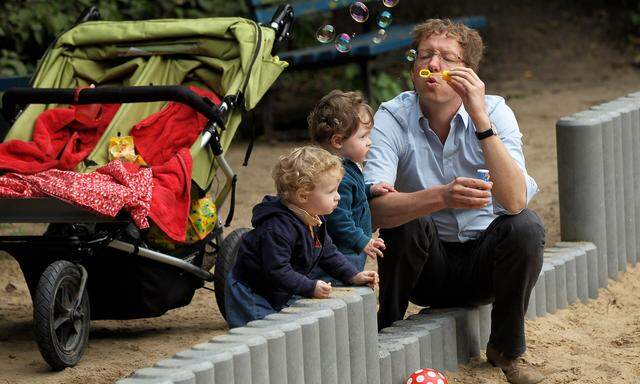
{"x":341,"y":225}
{"x":335,"y":263}
{"x":367,"y":190}
{"x":276,"y":253}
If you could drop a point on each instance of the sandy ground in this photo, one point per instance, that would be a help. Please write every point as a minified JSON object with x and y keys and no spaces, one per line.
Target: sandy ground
{"x":594,"y":343}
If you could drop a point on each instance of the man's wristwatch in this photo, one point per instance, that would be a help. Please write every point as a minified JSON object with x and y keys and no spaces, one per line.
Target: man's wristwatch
{"x":488,"y":133}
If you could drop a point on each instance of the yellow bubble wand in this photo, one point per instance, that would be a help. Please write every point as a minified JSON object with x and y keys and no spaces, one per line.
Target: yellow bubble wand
{"x":425,"y":74}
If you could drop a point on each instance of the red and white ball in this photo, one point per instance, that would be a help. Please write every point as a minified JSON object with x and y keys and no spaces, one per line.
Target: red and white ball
{"x":427,"y":376}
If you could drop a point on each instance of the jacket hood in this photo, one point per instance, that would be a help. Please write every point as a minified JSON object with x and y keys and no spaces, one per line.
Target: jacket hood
{"x":269,"y":207}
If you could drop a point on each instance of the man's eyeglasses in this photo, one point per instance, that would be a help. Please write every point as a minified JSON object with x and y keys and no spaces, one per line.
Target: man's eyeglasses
{"x":449,"y":58}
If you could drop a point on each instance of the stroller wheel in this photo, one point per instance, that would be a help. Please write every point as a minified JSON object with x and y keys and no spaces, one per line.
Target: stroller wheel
{"x":61,"y":322}
{"x":224,"y":262}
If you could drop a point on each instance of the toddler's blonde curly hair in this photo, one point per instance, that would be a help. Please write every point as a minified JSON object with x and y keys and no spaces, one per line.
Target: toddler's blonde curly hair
{"x":301,"y":168}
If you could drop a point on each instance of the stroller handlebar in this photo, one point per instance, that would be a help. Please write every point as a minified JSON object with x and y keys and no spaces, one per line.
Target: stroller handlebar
{"x":15,"y":97}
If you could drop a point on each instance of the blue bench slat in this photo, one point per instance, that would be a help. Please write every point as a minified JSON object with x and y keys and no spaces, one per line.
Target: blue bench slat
{"x":264,"y":13}
{"x":398,"y":36}
{"x":16,"y":81}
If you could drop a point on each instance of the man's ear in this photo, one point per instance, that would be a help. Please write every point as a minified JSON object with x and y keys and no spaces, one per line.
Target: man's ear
{"x":336,"y":141}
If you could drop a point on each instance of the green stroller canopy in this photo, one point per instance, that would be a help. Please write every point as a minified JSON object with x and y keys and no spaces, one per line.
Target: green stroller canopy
{"x":226,"y":55}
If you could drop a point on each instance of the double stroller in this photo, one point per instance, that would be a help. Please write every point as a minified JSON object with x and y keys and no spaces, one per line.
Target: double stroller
{"x":88,"y":265}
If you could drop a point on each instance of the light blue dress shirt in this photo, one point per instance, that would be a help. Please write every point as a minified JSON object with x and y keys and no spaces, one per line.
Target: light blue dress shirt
{"x":408,"y":154}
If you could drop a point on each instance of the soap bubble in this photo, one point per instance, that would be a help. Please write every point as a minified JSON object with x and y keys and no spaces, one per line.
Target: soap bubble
{"x":380,"y":36}
{"x":390,"y":3}
{"x":343,"y":43}
{"x":359,"y":12}
{"x":411,"y":55}
{"x":384,"y":19}
{"x":326,"y":33}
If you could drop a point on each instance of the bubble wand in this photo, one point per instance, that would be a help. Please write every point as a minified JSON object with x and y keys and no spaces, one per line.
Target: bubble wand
{"x":425,"y":74}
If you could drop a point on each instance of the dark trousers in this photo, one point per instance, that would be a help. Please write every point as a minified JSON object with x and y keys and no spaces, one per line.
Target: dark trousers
{"x":500,"y":267}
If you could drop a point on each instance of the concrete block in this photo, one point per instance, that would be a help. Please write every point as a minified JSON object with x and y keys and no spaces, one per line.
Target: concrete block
{"x":540,"y":290}
{"x":596,"y":267}
{"x":411,"y":346}
{"x":370,"y":315}
{"x":484,"y":315}
{"x":398,"y":365}
{"x":384,"y":359}
{"x":449,"y":337}
{"x":222,"y":362}
{"x":294,"y":347}
{"x":561,"y":279}
{"x":177,"y":376}
{"x":531,"y":308}
{"x":467,"y":329}
{"x":310,"y":344}
{"x":139,"y":380}
{"x":357,"y":350}
{"x":424,"y":340}
{"x":201,"y":369}
{"x":327,"y":333}
{"x":339,"y":309}
{"x":435,"y":330}
{"x":241,"y":358}
{"x":549,"y":272}
{"x":568,"y":255}
{"x":258,"y":349}
{"x":277,"y":353}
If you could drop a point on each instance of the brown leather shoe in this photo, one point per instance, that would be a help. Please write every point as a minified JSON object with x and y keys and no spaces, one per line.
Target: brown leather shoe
{"x":517,"y":370}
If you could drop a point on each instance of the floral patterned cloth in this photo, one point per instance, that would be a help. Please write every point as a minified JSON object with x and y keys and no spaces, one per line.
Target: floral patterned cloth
{"x":106,"y":191}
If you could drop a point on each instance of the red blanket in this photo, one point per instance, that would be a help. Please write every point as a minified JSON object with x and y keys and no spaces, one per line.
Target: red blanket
{"x":63,"y":137}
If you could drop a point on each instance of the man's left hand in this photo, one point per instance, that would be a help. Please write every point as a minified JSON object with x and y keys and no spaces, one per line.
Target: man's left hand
{"x":468,"y":85}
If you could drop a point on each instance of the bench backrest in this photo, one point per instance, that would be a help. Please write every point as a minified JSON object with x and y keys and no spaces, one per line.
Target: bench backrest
{"x":263,"y":10}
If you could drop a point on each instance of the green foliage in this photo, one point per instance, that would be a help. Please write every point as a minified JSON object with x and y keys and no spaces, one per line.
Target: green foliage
{"x":386,"y":87}
{"x":28,"y":27}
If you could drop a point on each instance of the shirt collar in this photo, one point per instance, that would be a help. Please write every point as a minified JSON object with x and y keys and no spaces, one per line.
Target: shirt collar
{"x":306,"y":217}
{"x":461,"y":114}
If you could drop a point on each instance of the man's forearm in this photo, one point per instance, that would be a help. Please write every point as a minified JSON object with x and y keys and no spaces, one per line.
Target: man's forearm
{"x":397,"y":208}
{"x":509,"y":184}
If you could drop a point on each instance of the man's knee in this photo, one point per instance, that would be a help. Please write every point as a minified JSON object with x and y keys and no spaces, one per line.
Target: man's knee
{"x":410,"y":240}
{"x":525,"y":231}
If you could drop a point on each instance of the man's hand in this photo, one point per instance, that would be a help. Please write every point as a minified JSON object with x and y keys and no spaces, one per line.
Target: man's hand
{"x":471,"y":89}
{"x":464,"y":192}
{"x":374,"y":248}
{"x":381,"y":189}
{"x":322,"y":290}
{"x":369,"y":278}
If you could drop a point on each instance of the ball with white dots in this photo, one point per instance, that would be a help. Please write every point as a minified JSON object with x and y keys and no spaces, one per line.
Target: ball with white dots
{"x":427,"y":376}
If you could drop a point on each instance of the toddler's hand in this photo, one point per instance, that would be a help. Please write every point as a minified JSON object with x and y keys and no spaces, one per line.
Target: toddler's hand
{"x":369,"y":278}
{"x":322,"y":290}
{"x":374,"y":248}
{"x":381,"y":189}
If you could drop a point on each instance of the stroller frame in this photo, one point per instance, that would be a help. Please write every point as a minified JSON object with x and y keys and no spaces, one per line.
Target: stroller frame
{"x":64,"y":301}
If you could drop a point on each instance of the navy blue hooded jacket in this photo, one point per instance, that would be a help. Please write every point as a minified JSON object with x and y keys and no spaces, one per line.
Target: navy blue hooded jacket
{"x":275,"y":257}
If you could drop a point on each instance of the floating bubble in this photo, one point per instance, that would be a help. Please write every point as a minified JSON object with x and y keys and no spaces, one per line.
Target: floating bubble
{"x":359,"y":12}
{"x":411,"y":55}
{"x":326,"y":33}
{"x":380,"y":36}
{"x":390,"y":3}
{"x":343,"y":42}
{"x":384,"y":19}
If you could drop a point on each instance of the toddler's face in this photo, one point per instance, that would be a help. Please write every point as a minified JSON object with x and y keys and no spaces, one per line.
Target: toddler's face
{"x":324,"y":198}
{"x":357,"y":145}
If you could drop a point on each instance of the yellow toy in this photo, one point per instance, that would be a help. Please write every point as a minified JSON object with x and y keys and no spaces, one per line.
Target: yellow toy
{"x":425,"y":73}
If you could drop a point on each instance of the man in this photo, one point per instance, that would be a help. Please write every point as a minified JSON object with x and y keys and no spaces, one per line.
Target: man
{"x":453,"y":239}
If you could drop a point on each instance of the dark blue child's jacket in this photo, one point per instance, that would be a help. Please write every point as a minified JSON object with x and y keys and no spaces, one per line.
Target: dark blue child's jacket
{"x":275,"y":258}
{"x":350,"y":223}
